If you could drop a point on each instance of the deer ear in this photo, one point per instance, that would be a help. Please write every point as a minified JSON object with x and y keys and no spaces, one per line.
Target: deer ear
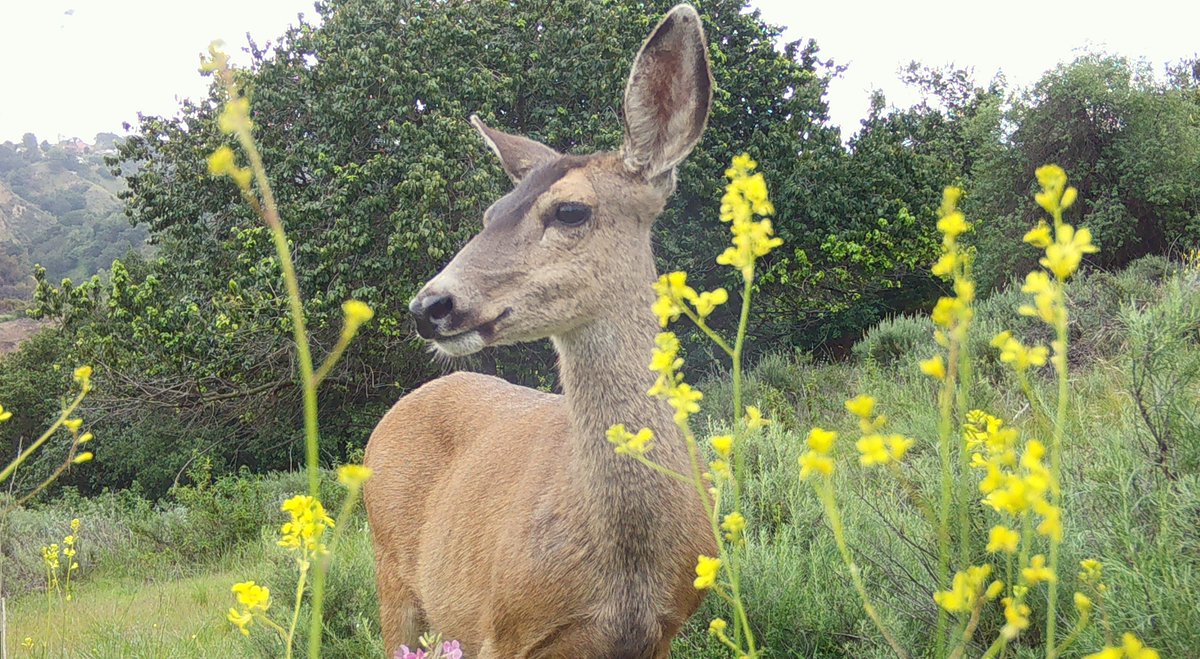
{"x":518,"y":155}
{"x":668,"y":95}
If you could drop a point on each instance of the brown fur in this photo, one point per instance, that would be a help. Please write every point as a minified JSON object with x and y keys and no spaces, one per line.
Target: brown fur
{"x":501,"y":515}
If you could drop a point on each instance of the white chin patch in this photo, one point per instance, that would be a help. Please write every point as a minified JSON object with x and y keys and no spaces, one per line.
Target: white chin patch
{"x":459,"y":345}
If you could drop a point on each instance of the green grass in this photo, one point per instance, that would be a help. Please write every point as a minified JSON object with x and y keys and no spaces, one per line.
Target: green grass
{"x":147,"y":566}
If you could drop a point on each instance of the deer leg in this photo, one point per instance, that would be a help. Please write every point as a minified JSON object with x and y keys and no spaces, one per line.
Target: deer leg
{"x":400,"y":613}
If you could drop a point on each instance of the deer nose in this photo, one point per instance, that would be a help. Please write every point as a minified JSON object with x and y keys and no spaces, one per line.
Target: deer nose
{"x":431,"y":312}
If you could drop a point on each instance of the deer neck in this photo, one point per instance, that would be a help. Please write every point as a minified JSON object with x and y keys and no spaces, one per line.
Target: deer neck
{"x":605,"y":377}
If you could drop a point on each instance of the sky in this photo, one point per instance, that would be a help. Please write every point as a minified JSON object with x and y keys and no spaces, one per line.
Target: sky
{"x":72,"y":68}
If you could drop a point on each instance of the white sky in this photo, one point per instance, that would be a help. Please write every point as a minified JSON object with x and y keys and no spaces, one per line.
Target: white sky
{"x":78,"y":67}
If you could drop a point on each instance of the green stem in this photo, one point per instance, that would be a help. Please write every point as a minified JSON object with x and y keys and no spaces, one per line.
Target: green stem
{"x":739,"y":455}
{"x":1056,"y":472}
{"x":825,"y":492}
{"x":945,"y":429}
{"x":291,"y":635}
{"x":66,"y":414}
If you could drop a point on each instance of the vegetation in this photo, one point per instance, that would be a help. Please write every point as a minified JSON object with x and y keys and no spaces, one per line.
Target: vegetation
{"x":172,"y":561}
{"x":377,"y":178}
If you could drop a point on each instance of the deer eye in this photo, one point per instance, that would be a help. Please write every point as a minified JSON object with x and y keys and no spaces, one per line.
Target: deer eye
{"x":572,"y":213}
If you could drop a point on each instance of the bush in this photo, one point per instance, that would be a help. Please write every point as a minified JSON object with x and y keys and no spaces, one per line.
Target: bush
{"x":893,"y":342}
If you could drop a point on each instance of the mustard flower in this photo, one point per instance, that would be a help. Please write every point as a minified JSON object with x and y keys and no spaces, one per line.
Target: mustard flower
{"x":5,"y":415}
{"x":722,"y":444}
{"x":875,"y":449}
{"x":684,"y":399}
{"x":812,"y":462}
{"x":934,"y":367}
{"x":1083,"y":603}
{"x":994,"y":590}
{"x":307,"y":526}
{"x":252,"y":596}
{"x":964,"y":591}
{"x":1016,"y":618}
{"x":820,"y":440}
{"x":754,"y":418}
{"x":717,"y":627}
{"x":629,"y":443}
{"x":1053,"y":180}
{"x":1092,"y":571}
{"x":945,"y":264}
{"x":72,"y":424}
{"x":1135,"y":649}
{"x":1065,"y":253}
{"x":720,"y":469}
{"x":83,"y":374}
{"x":83,"y":457}
{"x":953,"y":224}
{"x":235,"y":116}
{"x":733,"y":525}
{"x":1037,"y":572}
{"x":1039,"y":236}
{"x":861,"y":406}
{"x":356,"y":312}
{"x":706,"y":572}
{"x":1016,"y":354}
{"x":353,"y":476}
{"x":223,"y":163}
{"x":1003,"y":539}
{"x":707,"y":301}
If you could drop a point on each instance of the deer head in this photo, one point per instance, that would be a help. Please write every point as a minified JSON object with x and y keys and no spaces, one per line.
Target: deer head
{"x":570,"y":244}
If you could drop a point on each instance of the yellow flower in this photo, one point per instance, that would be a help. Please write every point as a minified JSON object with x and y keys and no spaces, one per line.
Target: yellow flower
{"x":1037,"y":572}
{"x":5,"y":415}
{"x":27,"y":643}
{"x":83,"y":374}
{"x":1083,"y":603}
{"x":720,"y":469}
{"x":873,"y":450}
{"x":72,"y":424}
{"x":628,"y":443}
{"x":1013,"y":352}
{"x":235,"y":117}
{"x":953,"y":225}
{"x":754,"y":418}
{"x":898,"y":446}
{"x":1016,"y":617}
{"x":861,"y":406}
{"x":934,"y":367}
{"x":813,"y":462}
{"x":242,"y":620}
{"x":950,"y":197}
{"x":353,"y":476}
{"x":252,"y":596}
{"x":75,"y":524}
{"x":1135,"y":649}
{"x":994,"y":590}
{"x":86,"y":456}
{"x":356,"y":312}
{"x":684,"y":399}
{"x":820,"y":440}
{"x":307,"y":526}
{"x":1092,"y":571}
{"x":1106,"y":653}
{"x":1003,"y":539}
{"x":706,"y":572}
{"x":86,"y":437}
{"x":1051,"y":524}
{"x":1067,"y":250}
{"x":709,"y":300}
{"x":733,"y":525}
{"x":964,"y":591}
{"x":1039,"y":236}
{"x":717,"y":627}
{"x":945,"y":264}
{"x":722,"y":444}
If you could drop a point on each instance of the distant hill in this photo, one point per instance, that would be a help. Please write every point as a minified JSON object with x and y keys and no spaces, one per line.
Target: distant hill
{"x":59,"y":208}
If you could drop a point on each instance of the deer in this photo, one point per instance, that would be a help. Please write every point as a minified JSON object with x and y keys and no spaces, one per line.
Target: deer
{"x":500,"y":515}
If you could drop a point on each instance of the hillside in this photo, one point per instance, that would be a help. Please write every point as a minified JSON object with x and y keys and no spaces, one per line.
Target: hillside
{"x":59,"y":208}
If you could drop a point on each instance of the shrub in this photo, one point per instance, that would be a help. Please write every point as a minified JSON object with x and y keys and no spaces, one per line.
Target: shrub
{"x":893,"y":342}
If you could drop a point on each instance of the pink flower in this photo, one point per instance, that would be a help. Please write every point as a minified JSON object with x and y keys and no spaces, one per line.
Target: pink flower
{"x":451,"y":650}
{"x":405,"y":653}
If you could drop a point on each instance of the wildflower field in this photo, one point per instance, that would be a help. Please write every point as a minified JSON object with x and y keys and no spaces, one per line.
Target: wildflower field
{"x":154,"y":578}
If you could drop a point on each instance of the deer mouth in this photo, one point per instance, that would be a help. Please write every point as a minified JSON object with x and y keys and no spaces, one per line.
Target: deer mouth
{"x":470,"y":341}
